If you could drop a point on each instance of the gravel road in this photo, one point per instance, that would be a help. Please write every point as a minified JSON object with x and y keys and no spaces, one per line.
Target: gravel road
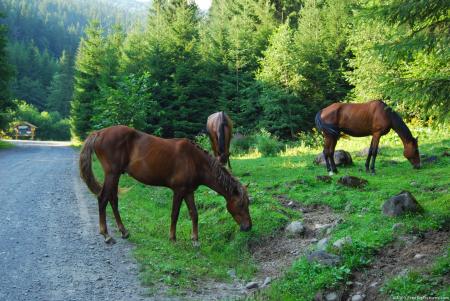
{"x":50,"y":248}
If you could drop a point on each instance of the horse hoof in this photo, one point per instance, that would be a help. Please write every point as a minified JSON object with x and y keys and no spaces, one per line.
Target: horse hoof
{"x":125,"y":234}
{"x":109,"y":240}
{"x":195,"y":243}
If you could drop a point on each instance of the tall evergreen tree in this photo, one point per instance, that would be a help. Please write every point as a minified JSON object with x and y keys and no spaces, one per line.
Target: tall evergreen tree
{"x":89,"y":66}
{"x":5,"y":75}
{"x":61,"y":87}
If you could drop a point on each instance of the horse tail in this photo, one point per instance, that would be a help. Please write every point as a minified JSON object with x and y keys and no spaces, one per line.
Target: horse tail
{"x":222,"y":126}
{"x":327,"y":128}
{"x":86,"y":165}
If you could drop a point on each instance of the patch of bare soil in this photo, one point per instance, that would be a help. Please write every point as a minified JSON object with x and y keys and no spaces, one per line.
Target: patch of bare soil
{"x":275,"y":254}
{"x":405,"y":254}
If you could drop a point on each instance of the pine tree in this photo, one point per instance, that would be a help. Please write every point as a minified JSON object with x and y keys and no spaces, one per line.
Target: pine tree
{"x":88,"y":74}
{"x":61,"y":87}
{"x":5,"y":75}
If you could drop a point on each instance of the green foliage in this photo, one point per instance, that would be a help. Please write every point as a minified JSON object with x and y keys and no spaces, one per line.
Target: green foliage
{"x":401,"y":53}
{"x":5,"y":75}
{"x":268,"y":145}
{"x":243,"y":144}
{"x":50,"y":124}
{"x":204,"y":141}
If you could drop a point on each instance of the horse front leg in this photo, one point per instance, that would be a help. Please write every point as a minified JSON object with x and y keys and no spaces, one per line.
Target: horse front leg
{"x":189,"y":198}
{"x":376,"y":141}
{"x":176,"y":204}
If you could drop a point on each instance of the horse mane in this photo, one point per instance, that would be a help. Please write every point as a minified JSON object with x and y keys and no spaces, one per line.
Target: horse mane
{"x":399,"y":125}
{"x":223,"y":176}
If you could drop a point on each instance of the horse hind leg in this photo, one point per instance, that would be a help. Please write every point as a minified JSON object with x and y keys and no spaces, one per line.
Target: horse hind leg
{"x":369,"y":155}
{"x":105,"y":196}
{"x":331,"y":155}
{"x":114,"y":201}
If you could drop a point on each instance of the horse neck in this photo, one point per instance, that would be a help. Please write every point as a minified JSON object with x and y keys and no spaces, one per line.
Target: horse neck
{"x":217,"y":179}
{"x":399,"y":126}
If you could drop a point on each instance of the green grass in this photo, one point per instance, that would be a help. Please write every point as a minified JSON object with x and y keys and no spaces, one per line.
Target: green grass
{"x":425,"y":282}
{"x":5,"y":145}
{"x":180,"y":266}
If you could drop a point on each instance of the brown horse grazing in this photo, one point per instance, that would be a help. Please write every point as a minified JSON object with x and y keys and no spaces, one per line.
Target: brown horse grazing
{"x":371,"y":118}
{"x":220,"y":130}
{"x":178,"y":164}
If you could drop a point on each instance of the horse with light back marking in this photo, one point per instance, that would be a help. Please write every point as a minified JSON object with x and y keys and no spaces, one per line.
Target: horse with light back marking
{"x":220,"y":131}
{"x":372,"y":118}
{"x":178,"y":164}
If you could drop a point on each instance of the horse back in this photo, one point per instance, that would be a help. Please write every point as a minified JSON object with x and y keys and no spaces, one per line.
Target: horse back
{"x":358,"y":119}
{"x":165,"y":162}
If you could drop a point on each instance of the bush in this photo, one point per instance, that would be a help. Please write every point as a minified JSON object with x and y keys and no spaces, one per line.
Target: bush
{"x":268,"y":145}
{"x":242,"y":144}
{"x":50,"y":125}
{"x":310,"y":139}
{"x":203,"y":141}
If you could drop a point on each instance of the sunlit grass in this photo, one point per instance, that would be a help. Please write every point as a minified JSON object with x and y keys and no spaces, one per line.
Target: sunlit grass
{"x":146,"y":212}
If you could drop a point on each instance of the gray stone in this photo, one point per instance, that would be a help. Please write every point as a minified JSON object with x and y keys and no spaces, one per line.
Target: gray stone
{"x":266,"y":281}
{"x":400,"y":204}
{"x":251,"y":285}
{"x":358,"y":297}
{"x":365,"y":152}
{"x":322,"y":244}
{"x":341,"y":158}
{"x":295,"y":228}
{"x":331,"y":296}
{"x":349,"y":208}
{"x":324,"y":258}
{"x":340,"y":243}
{"x":419,"y":256}
{"x":352,"y":181}
{"x":398,"y":227}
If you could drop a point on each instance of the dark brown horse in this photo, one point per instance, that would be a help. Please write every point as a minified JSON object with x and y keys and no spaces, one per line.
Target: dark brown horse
{"x":220,"y":130}
{"x":178,"y":164}
{"x":371,"y":118}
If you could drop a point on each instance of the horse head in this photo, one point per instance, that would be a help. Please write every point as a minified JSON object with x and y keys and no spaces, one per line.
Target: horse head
{"x":411,"y":152}
{"x":237,"y":205}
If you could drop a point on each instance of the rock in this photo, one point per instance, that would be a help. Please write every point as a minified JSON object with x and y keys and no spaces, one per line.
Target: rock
{"x":358,"y":297}
{"x":324,"y":258}
{"x":295,"y":228}
{"x":348,"y":208}
{"x":331,"y":296}
{"x":352,"y":181}
{"x":374,"y":284}
{"x":340,"y":243}
{"x":419,"y":256}
{"x":430,"y":160}
{"x":322,"y":244}
{"x":266,"y":281}
{"x":341,"y":158}
{"x":365,"y":152}
{"x":446,"y":154}
{"x":290,"y":204}
{"x":400,"y":204}
{"x":251,"y":285}
{"x":231,"y":273}
{"x":398,"y":227}
{"x":326,"y":179}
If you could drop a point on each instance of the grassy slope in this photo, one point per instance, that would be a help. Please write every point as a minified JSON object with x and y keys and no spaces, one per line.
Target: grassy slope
{"x":4,"y":144}
{"x":146,"y":212}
